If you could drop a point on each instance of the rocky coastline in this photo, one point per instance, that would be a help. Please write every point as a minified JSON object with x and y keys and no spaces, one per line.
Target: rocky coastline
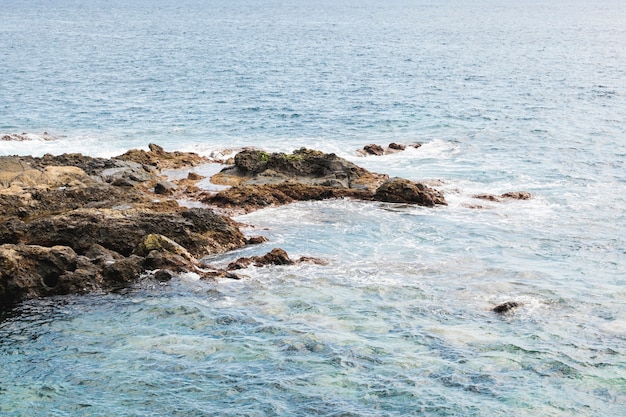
{"x":72,"y":224}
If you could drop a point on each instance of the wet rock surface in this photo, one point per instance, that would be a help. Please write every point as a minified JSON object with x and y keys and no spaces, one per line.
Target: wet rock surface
{"x":259,"y":180}
{"x":514,"y":195}
{"x":74,"y":224}
{"x":377,"y":150}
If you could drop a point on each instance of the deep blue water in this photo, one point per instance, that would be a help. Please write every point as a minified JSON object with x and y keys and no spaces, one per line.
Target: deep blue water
{"x":504,"y":95}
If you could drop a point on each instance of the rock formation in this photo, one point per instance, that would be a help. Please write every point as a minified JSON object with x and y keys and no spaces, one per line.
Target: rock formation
{"x":74,"y":224}
{"x":259,"y":179}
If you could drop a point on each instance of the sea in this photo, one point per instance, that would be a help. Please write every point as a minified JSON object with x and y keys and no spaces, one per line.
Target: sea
{"x":503,"y":96}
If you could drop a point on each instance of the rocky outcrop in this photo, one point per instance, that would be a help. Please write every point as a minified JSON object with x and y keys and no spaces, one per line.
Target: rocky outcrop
{"x":399,"y":190}
{"x":253,"y":197}
{"x":159,"y":158}
{"x":505,"y":307}
{"x":259,"y":180}
{"x":21,"y":137}
{"x":514,"y":195}
{"x":276,"y":256}
{"x":377,"y":150}
{"x":74,"y":224}
{"x":303,"y":166}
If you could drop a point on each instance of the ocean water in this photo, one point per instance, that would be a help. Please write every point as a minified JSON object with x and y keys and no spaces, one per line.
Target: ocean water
{"x":504,"y":96}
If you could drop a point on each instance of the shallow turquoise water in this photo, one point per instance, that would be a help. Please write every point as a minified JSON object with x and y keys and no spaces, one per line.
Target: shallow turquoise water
{"x":504,"y":97}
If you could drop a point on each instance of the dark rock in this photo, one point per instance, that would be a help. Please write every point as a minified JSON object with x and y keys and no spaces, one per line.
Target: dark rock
{"x":122,"y":272}
{"x":163,"y":275}
{"x":29,"y":271}
{"x":250,"y":197}
{"x":517,"y":195}
{"x":256,"y":240}
{"x":505,"y":307}
{"x":488,"y":197}
{"x":397,"y":146}
{"x":374,"y":149}
{"x":192,"y":176}
{"x":123,"y":182}
{"x":201,"y":231}
{"x":165,"y":187}
{"x":304,"y":166}
{"x":399,"y":190}
{"x":277,"y":256}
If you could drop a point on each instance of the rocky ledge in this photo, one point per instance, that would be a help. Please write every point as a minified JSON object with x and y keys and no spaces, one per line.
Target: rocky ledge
{"x":259,"y":179}
{"x":76,"y":224}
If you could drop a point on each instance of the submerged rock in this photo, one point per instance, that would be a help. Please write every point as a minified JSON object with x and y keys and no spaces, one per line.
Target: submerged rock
{"x":374,"y":149}
{"x":276,"y":256}
{"x":515,"y":195}
{"x":505,"y":307}
{"x":377,"y":150}
{"x":399,"y":190}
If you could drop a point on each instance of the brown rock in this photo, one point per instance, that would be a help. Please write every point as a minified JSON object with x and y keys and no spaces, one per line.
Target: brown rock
{"x":505,"y":307}
{"x":374,"y":149}
{"x":251,"y":197}
{"x":399,"y":190}
{"x":200,"y":231}
{"x":488,"y":197}
{"x":305,"y":166}
{"x":256,"y":240}
{"x":29,"y":271}
{"x":517,"y":195}
{"x":162,"y":159}
{"x":397,"y":146}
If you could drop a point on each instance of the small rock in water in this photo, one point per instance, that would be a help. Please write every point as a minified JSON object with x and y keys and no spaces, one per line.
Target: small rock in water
{"x":517,"y":195}
{"x":505,"y":307}
{"x":374,"y":149}
{"x":397,"y":146}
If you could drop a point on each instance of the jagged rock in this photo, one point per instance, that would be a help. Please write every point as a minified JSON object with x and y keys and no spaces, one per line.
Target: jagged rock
{"x":399,"y":190}
{"x":515,"y":195}
{"x":165,"y":187}
{"x":127,"y":173}
{"x":162,"y":159}
{"x":160,"y":243}
{"x":122,"y":272}
{"x":192,"y":176}
{"x":29,"y":271}
{"x":276,"y":256}
{"x":487,"y":197}
{"x":201,"y":231}
{"x":397,"y":146}
{"x":303,"y":166}
{"x":21,"y":137}
{"x":377,"y":150}
{"x":253,"y":197}
{"x":505,"y":307}
{"x":374,"y":149}
{"x":256,"y":240}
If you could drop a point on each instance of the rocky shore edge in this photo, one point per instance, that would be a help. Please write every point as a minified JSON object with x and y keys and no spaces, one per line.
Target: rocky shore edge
{"x":73,"y":224}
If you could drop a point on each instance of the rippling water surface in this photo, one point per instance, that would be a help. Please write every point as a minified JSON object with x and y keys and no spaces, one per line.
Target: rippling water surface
{"x":504,"y":95}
